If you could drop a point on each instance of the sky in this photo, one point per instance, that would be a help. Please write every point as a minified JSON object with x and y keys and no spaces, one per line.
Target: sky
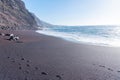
{"x":76,"y":12}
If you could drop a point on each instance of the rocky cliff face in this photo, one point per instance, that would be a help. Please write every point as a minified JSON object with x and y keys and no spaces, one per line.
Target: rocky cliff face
{"x":14,"y":15}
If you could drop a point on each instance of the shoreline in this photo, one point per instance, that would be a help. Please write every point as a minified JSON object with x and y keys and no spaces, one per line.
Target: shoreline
{"x":79,"y":42}
{"x":46,"y":57}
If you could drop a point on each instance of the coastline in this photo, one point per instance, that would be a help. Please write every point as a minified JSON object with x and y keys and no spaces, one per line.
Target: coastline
{"x":93,"y":40}
{"x":45,"y":57}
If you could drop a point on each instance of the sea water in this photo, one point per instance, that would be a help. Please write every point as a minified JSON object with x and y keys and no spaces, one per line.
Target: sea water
{"x":93,"y":35}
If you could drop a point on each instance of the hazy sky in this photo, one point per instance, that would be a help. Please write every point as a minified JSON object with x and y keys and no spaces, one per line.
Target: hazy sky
{"x":76,"y":12}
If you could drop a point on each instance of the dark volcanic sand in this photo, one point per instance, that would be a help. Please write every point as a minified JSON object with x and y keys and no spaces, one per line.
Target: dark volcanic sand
{"x":41,"y":57}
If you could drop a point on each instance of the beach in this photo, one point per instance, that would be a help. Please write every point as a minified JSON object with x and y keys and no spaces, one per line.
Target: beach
{"x":42,"y":57}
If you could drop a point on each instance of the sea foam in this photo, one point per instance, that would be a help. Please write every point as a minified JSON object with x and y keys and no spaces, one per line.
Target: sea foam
{"x":93,"y":35}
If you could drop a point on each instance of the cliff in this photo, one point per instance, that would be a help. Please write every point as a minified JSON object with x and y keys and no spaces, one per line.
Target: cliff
{"x":14,"y":16}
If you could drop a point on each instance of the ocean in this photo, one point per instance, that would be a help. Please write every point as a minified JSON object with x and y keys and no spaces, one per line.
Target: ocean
{"x":93,"y":35}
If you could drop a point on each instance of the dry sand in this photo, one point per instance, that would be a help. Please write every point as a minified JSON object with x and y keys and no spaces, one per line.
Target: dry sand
{"x":41,"y":57}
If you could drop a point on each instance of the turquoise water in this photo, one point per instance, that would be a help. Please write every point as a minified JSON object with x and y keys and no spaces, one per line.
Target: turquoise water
{"x":95,"y":35}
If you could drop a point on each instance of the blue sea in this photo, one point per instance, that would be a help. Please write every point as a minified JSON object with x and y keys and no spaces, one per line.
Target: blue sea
{"x":93,"y":35}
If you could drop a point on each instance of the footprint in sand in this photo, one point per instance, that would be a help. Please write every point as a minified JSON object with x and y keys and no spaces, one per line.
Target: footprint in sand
{"x":25,"y":79}
{"x":105,"y":67}
{"x":59,"y":77}
{"x":19,"y":64}
{"x":8,"y":57}
{"x":13,"y":61}
{"x":101,"y":66}
{"x":94,"y":64}
{"x":20,"y":68}
{"x":22,"y":59}
{"x":110,"y":69}
{"x":118,"y":71}
{"x":43,"y":73}
{"x":28,"y":61}
{"x":27,"y":65}
{"x":36,"y":68}
{"x":27,"y":72}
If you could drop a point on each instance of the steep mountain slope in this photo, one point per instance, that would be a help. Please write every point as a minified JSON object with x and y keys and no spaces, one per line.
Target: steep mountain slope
{"x":40,"y":23}
{"x":14,"y":15}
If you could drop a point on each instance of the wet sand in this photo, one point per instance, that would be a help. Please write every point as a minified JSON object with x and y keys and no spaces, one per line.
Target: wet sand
{"x":41,"y":57}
